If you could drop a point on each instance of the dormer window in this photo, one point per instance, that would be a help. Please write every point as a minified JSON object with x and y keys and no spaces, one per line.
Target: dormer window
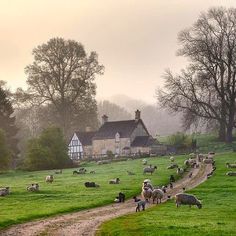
{"x":117,"y":137}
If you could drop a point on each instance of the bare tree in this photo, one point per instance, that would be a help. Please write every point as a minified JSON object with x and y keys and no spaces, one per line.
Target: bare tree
{"x":207,"y":88}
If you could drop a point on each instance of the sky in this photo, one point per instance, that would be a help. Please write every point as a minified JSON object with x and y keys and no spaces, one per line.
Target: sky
{"x":135,"y":40}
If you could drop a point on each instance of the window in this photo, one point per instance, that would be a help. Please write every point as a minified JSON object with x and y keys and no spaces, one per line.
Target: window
{"x":75,"y":143}
{"x":117,"y":137}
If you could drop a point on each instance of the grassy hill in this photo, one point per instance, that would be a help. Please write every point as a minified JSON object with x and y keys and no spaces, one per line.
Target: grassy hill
{"x":67,"y":193}
{"x":217,"y":217}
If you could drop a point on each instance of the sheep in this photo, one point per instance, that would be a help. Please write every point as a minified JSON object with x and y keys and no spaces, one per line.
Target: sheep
{"x":147,"y":184}
{"x":91,"y":185}
{"x":114,"y":181}
{"x":230,"y":165}
{"x":80,"y":171}
{"x":157,"y":194}
{"x":4,"y":191}
{"x":49,"y":179}
{"x":147,"y":193}
{"x":58,"y":172}
{"x":231,"y":173}
{"x":190,"y":162}
{"x":208,"y":161}
{"x":130,"y":173}
{"x":180,"y":171}
{"x":149,"y":169}
{"x":33,"y":187}
{"x":172,"y":166}
{"x":172,"y":159}
{"x":187,"y":199}
{"x":140,"y":203}
{"x":120,"y":197}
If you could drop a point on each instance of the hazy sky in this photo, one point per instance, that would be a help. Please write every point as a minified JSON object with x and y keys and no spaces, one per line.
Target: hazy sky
{"x":136,"y":40}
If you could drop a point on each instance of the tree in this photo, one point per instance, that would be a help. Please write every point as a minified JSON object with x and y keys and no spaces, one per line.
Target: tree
{"x":62,"y":74}
{"x":7,"y":124}
{"x":5,"y":155}
{"x":180,"y":140}
{"x":206,"y":90}
{"x":48,"y":151}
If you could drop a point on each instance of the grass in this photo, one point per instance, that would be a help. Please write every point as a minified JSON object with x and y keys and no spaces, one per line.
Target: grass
{"x":217,"y":217}
{"x":67,"y":193}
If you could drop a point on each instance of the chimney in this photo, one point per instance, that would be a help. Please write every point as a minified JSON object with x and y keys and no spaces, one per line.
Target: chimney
{"x":88,"y":129}
{"x":137,"y":115}
{"x":104,"y":119}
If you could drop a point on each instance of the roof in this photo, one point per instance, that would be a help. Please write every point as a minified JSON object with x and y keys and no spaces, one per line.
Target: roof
{"x":143,"y":141}
{"x":125,"y":128}
{"x":85,"y":137}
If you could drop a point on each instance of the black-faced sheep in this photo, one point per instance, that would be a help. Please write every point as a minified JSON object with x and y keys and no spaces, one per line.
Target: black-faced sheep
{"x":157,"y":194}
{"x":91,"y":185}
{"x":147,"y":185}
{"x":230,"y":165}
{"x":49,"y":179}
{"x":149,"y":170}
{"x":187,"y":199}
{"x":33,"y":188}
{"x":4,"y":191}
{"x":231,"y":173}
{"x":114,"y":181}
{"x":140,"y":203}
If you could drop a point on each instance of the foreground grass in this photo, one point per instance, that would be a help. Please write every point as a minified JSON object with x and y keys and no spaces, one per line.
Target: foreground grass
{"x":217,"y":217}
{"x":67,"y":193}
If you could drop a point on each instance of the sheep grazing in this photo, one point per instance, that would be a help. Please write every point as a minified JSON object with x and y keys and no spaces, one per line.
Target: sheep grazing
{"x":58,"y":172}
{"x":4,"y":191}
{"x":114,"y":181}
{"x":187,"y":199}
{"x":91,"y":185}
{"x":230,"y":165}
{"x":49,"y":179}
{"x":33,"y":188}
{"x":172,"y":166}
{"x":80,"y":171}
{"x":231,"y":173}
{"x":172,"y":159}
{"x":120,"y":198}
{"x":149,"y":169}
{"x":130,"y":173}
{"x":140,"y":203}
{"x":147,"y":193}
{"x":157,"y":194}
{"x":180,"y":171}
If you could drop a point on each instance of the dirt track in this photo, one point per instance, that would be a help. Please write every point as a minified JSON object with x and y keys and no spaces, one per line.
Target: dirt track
{"x":87,"y":222}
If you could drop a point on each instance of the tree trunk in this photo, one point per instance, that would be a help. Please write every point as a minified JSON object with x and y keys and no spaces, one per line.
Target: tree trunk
{"x":222,"y":132}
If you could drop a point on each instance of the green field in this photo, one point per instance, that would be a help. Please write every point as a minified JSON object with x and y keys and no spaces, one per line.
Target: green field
{"x":217,"y":217}
{"x":67,"y":193}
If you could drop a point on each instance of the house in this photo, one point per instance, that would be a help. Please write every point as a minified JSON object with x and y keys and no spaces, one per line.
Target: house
{"x":121,"y":138}
{"x":80,"y":145}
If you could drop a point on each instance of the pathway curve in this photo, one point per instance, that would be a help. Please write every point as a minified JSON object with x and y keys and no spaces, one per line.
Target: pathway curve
{"x":85,"y":223}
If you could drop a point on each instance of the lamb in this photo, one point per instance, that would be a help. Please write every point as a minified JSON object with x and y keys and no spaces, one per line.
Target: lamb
{"x":172,"y":166}
{"x":140,"y":203}
{"x":33,"y":187}
{"x":4,"y":191}
{"x":147,"y":193}
{"x":187,"y":199}
{"x":230,"y":165}
{"x":149,"y":170}
{"x":58,"y":172}
{"x":114,"y":181}
{"x":180,"y":171}
{"x":231,"y":173}
{"x":157,"y":194}
{"x":49,"y":179}
{"x":91,"y":185}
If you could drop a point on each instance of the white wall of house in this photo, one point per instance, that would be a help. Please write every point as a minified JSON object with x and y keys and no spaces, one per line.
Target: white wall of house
{"x":75,"y":148}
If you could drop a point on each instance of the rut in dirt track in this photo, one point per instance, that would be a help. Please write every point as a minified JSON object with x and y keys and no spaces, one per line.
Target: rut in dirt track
{"x":87,"y":222}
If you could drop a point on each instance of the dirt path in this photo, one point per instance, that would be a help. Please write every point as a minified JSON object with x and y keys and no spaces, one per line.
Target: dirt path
{"x":87,"y":222}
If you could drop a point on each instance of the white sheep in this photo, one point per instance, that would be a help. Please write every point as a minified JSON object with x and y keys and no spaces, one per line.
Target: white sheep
{"x":33,"y":188}
{"x":147,"y":193}
{"x":187,"y":199}
{"x":157,"y":194}
{"x":230,"y":165}
{"x":49,"y":179}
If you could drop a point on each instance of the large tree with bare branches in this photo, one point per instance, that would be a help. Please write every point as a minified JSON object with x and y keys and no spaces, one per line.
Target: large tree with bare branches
{"x":62,"y":75}
{"x":206,"y":90}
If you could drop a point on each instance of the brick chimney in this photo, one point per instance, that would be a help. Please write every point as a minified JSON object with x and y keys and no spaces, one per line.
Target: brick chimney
{"x":104,"y":119}
{"x":137,"y":115}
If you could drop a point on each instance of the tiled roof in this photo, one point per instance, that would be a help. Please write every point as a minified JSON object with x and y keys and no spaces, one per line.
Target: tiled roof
{"x":86,"y":137}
